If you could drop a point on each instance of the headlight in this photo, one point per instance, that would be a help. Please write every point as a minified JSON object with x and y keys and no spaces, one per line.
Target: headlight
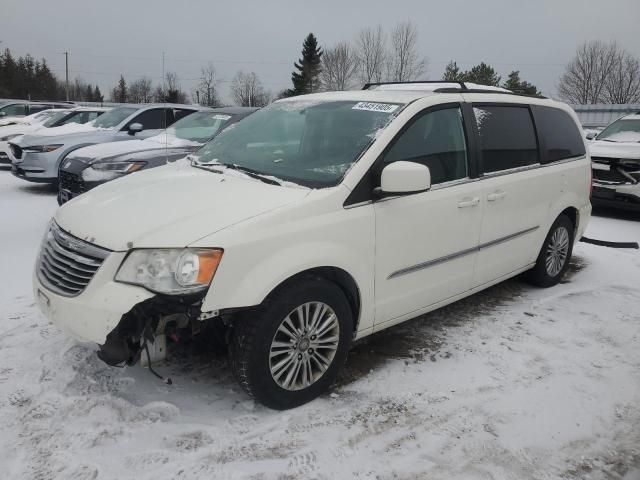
{"x":42,"y":148}
{"x":171,"y":271}
{"x":109,"y":170}
{"x":9,"y":137}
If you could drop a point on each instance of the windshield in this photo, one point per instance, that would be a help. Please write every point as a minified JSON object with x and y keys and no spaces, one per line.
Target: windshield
{"x":40,"y":116}
{"x":55,"y":118}
{"x":200,"y":126}
{"x":307,"y":142}
{"x":113,"y":117}
{"x":623,"y":130}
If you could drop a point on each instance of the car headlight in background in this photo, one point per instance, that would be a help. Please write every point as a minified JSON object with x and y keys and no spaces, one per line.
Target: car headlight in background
{"x":171,"y":271}
{"x":42,"y":148}
{"x":9,"y":137}
{"x":100,"y":171}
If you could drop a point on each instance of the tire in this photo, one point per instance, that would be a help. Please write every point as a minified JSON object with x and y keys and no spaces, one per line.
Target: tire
{"x":262,"y":339}
{"x":555,"y":254}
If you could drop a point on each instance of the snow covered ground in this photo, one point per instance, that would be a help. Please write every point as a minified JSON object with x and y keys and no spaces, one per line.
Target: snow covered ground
{"x":512,"y":383}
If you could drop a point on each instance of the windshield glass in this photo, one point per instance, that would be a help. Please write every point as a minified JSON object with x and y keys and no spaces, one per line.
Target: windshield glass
{"x":307,"y":142}
{"x":55,"y":118}
{"x":40,"y":116}
{"x":624,"y":130}
{"x":113,"y":117}
{"x":200,"y":126}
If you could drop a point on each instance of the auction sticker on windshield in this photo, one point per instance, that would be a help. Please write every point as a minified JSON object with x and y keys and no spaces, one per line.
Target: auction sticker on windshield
{"x":220,"y":117}
{"x":375,"y":107}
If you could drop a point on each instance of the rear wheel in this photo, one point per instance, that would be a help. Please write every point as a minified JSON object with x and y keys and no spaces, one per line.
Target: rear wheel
{"x":289,"y":352}
{"x":553,"y":259}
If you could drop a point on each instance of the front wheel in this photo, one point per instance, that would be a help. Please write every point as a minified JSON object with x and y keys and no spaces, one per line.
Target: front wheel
{"x":553,"y":259}
{"x":289,"y":351}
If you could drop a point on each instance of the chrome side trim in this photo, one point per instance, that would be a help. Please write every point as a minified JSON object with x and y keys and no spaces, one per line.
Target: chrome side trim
{"x":462,"y":253}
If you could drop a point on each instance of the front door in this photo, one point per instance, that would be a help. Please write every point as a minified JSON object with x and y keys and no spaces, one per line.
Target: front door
{"x":426,"y":243}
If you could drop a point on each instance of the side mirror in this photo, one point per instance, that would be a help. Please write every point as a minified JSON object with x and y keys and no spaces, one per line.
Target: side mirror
{"x":404,"y":178}
{"x":591,"y":135}
{"x":135,"y":128}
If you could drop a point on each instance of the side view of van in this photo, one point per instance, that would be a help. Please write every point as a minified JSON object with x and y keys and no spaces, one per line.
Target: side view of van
{"x":319,"y":220}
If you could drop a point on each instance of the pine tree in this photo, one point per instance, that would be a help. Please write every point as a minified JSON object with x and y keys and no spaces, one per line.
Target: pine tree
{"x":482,"y":74}
{"x":119,"y":93}
{"x":307,"y":77}
{"x":452,"y":73}
{"x":97,"y":95}
{"x":515,"y":84}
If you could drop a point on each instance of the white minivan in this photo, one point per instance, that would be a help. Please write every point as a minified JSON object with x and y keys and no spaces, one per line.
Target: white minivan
{"x":317,"y":221}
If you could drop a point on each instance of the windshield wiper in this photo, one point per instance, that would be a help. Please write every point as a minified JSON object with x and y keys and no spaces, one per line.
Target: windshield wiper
{"x":250,"y":173}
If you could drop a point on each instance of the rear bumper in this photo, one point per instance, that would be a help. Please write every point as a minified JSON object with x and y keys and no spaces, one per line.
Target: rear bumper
{"x":96,"y":311}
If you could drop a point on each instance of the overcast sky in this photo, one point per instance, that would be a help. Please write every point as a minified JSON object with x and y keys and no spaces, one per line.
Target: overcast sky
{"x":106,"y":38}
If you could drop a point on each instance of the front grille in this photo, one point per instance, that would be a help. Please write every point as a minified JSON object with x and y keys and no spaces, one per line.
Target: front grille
{"x":71,"y":182}
{"x":67,"y":264}
{"x":16,"y":150}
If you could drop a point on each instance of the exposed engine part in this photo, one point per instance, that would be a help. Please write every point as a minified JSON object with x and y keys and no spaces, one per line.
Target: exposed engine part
{"x":140,"y":326}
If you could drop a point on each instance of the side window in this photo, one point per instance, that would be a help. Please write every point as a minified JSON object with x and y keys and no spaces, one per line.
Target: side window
{"x":562,"y":138}
{"x":179,"y":113}
{"x":38,"y":108}
{"x":435,"y":139}
{"x":150,"y":119}
{"x":17,"y":109}
{"x":507,"y":137}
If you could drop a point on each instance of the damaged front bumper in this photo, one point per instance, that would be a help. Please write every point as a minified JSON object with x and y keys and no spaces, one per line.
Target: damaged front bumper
{"x":92,"y":315}
{"x":616,"y":183}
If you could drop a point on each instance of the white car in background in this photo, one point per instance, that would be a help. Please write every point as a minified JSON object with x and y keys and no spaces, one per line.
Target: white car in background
{"x":615,"y":153}
{"x":31,"y":124}
{"x":316,"y":221}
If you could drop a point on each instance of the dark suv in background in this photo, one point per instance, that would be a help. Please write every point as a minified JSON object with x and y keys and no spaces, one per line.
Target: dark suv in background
{"x":91,"y":166}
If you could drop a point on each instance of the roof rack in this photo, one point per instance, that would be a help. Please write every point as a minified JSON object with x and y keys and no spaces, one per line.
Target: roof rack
{"x":367,"y":86}
{"x":461,"y":88}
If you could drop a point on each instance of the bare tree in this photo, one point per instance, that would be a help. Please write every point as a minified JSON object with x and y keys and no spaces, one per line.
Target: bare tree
{"x":207,"y":89}
{"x":247,"y":90}
{"x":404,"y":63}
{"x":339,"y":67}
{"x":173,"y":92}
{"x":622,"y":85}
{"x":370,"y":51}
{"x":585,"y":77}
{"x":140,"y":91}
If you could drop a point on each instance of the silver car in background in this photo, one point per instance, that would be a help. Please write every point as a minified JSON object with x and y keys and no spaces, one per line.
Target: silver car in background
{"x":51,"y":118}
{"x":38,"y":157}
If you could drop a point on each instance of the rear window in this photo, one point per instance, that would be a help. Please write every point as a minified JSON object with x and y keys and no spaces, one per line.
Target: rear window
{"x":562,"y":138}
{"x":507,"y":137}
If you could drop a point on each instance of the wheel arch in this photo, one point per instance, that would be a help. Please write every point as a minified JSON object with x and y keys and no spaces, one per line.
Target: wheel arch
{"x":340,"y":277}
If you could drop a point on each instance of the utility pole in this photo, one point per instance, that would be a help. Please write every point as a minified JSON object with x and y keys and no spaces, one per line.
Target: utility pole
{"x":163,"y":85}
{"x":198,"y":97}
{"x":66,"y":74}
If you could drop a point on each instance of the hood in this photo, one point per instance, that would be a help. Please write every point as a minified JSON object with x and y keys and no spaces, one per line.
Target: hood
{"x":102,"y":150}
{"x":169,"y":206}
{"x":11,"y":120}
{"x":17,"y":129}
{"x":626,"y":150}
{"x":43,"y":136}
{"x":154,"y":146}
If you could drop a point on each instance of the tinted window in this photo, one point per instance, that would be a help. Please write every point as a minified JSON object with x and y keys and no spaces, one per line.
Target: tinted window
{"x":435,"y":139}
{"x":179,"y":113}
{"x":507,"y":137}
{"x":562,"y":138}
{"x":16,"y":109}
{"x":38,"y":108}
{"x":151,"y":119}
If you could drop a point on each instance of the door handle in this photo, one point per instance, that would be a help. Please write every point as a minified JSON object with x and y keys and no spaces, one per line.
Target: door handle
{"x":469,"y":202}
{"x":492,"y":197}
